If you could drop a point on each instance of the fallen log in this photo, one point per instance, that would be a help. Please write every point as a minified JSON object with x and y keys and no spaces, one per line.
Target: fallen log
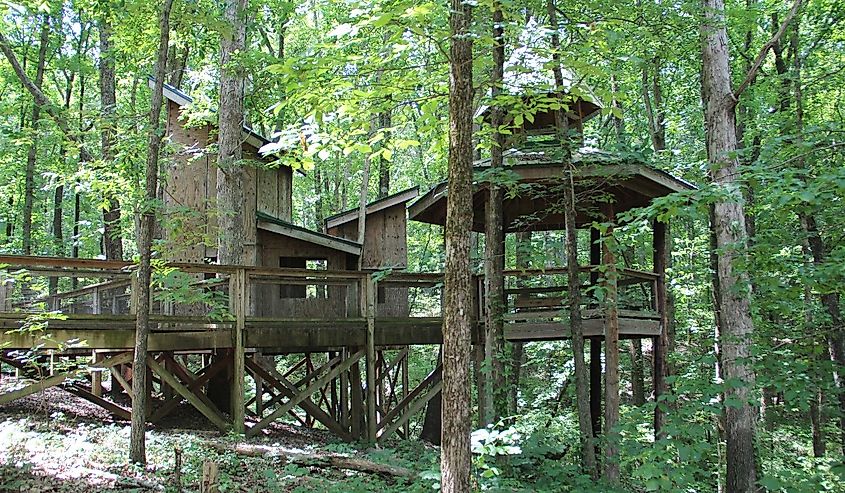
{"x":316,"y":460}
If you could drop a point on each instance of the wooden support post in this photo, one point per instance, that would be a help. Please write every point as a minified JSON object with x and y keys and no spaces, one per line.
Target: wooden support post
{"x":372,"y":425}
{"x":239,"y":293}
{"x":357,"y":398}
{"x":595,"y":342}
{"x":96,"y":376}
{"x":411,"y":410}
{"x":344,"y":392}
{"x":661,"y":342}
{"x":405,"y":382}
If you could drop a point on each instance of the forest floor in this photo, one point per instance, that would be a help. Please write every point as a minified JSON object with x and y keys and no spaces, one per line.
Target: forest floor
{"x":55,"y":442}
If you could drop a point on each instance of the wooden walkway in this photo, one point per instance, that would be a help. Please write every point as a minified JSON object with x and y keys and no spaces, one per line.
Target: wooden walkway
{"x":82,"y":311}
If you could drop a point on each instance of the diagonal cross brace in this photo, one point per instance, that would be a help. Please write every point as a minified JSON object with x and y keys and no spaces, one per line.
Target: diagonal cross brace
{"x":306,"y":393}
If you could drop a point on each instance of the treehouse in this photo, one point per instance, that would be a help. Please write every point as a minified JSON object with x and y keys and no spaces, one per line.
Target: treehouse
{"x":534,"y":177}
{"x":350,"y":310}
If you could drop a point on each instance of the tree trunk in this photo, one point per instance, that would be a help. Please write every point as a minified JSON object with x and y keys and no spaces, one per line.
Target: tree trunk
{"x":457,"y":317}
{"x":32,"y":154}
{"x":494,"y":242}
{"x":637,"y":378}
{"x":588,"y":459}
{"x":112,"y":238}
{"x":137,"y":445}
{"x":611,"y":354}
{"x":177,"y":61}
{"x":830,"y":301}
{"x":236,"y":215}
{"x":732,"y":302}
{"x":385,"y":121}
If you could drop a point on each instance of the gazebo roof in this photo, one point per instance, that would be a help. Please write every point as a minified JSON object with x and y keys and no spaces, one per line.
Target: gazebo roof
{"x":534,"y":180}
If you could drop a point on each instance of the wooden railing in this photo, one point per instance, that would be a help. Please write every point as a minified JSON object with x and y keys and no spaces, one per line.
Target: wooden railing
{"x":203,"y":296}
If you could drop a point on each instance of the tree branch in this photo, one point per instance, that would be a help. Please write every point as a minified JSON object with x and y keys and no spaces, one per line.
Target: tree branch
{"x":758,"y":61}
{"x":41,"y":99}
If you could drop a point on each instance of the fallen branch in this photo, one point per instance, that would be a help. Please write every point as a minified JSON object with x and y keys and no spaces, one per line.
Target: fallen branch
{"x":316,"y":460}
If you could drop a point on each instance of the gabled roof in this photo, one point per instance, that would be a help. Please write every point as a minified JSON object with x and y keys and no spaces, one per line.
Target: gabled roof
{"x":378,"y":205}
{"x":536,"y":206}
{"x":181,"y":99}
{"x":278,"y":226}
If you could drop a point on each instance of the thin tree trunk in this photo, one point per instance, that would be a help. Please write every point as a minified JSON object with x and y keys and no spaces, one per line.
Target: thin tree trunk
{"x":494,"y":241}
{"x":362,"y":207}
{"x":611,"y":354}
{"x":112,"y":238}
{"x":523,"y":243}
{"x":830,"y":301}
{"x":385,"y":121}
{"x":637,"y":378}
{"x":137,"y":442}
{"x":32,"y":154}
{"x":588,"y":458}
{"x":455,"y":455}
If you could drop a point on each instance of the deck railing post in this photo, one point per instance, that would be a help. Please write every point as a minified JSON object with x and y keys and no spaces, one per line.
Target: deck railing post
{"x":369,"y":292}
{"x":239,"y":300}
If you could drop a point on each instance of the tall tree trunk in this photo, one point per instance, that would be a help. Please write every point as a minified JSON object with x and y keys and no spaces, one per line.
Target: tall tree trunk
{"x":494,"y":241}
{"x":236,"y":225}
{"x":830,"y":302}
{"x":112,"y":238}
{"x":457,"y":317}
{"x":32,"y":154}
{"x":732,"y":301}
{"x":653,"y":98}
{"x":137,"y":442}
{"x":588,"y":458}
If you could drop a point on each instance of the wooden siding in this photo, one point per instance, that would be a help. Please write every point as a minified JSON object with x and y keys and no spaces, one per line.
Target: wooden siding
{"x":385,"y":246}
{"x":338,"y":302}
{"x":190,"y":190}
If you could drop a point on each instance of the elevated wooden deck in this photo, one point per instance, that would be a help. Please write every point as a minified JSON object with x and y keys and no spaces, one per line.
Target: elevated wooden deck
{"x":210,"y":323}
{"x":54,"y":303}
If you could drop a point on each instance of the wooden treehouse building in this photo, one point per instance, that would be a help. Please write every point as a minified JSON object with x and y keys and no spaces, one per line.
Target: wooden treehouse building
{"x":212,"y":342}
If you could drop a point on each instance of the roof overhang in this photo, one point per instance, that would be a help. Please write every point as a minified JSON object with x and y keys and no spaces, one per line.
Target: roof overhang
{"x":630,"y":184}
{"x":273,"y":225}
{"x":378,"y":205}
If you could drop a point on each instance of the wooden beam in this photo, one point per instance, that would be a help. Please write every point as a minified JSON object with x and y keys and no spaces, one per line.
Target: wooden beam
{"x":33,"y":388}
{"x":283,"y":386}
{"x":197,"y":381}
{"x":209,"y":412}
{"x":118,"y":376}
{"x":431,"y":379}
{"x":239,"y":297}
{"x":411,"y":410}
{"x":120,"y":359}
{"x":109,"y":406}
{"x":304,"y":394}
